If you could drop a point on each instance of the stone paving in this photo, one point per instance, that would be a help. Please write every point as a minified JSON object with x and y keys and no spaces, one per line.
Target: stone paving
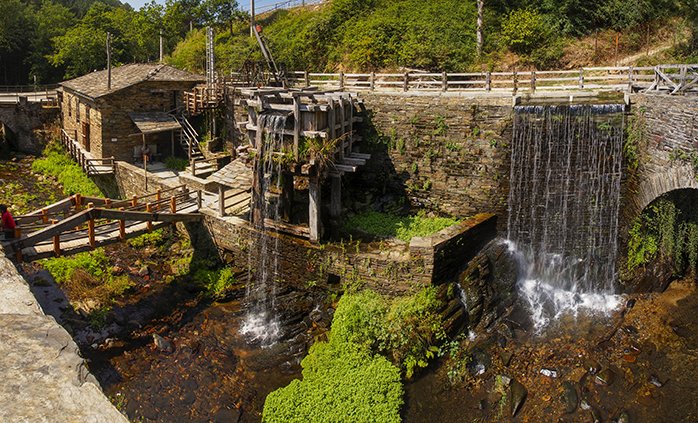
{"x":44,"y":377}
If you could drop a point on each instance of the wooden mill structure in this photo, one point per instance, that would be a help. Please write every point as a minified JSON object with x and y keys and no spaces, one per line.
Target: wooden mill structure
{"x":318,"y":145}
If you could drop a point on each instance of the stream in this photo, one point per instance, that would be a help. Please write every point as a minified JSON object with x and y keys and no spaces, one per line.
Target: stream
{"x":167,"y":353}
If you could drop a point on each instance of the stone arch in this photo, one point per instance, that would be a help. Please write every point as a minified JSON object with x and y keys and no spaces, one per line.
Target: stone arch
{"x":658,"y":183}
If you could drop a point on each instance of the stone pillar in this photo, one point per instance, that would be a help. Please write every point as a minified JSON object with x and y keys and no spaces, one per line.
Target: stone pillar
{"x":315,"y":222}
{"x":221,"y":200}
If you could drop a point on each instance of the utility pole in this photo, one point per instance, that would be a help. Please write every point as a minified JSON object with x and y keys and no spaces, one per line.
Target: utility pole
{"x":480,"y":9}
{"x":161,"y":47}
{"x":252,"y":22}
{"x":108,"y":61}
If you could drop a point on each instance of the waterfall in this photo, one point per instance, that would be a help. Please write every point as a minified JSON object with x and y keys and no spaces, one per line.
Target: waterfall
{"x":564,"y":197}
{"x":261,"y":323}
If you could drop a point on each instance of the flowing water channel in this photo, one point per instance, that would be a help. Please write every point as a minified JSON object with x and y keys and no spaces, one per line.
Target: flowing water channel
{"x":566,"y":170}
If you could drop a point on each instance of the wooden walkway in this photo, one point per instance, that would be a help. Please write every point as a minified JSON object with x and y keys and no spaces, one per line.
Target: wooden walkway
{"x":79,"y":223}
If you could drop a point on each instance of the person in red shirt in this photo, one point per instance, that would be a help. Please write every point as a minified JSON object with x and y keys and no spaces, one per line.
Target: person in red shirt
{"x":8,"y":223}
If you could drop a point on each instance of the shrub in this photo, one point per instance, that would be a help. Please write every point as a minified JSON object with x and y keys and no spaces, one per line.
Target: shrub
{"x":59,"y":165}
{"x":152,"y":239}
{"x":402,"y":227}
{"x":342,"y":382}
{"x":214,"y":282}
{"x":176,"y":163}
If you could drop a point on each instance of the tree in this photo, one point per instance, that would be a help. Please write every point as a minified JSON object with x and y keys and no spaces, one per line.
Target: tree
{"x":480,"y":10}
{"x":51,"y":20}
{"x":15,"y":33}
{"x":220,"y":12}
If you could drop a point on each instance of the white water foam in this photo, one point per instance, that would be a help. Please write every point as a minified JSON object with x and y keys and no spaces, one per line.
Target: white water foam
{"x":259,"y":328}
{"x":547,"y":302}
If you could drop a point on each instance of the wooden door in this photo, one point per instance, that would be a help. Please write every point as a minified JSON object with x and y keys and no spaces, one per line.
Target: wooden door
{"x":86,"y":135}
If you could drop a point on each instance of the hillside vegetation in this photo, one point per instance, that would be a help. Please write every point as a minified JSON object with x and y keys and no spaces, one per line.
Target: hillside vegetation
{"x":438,"y":35}
{"x":46,"y":41}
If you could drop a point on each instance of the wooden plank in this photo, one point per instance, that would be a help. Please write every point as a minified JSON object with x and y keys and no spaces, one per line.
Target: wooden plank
{"x":145,"y":216}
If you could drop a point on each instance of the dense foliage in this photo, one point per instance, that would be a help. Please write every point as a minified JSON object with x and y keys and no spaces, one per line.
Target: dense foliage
{"x":665,"y":231}
{"x":49,"y":40}
{"x":348,"y":378}
{"x":56,"y":163}
{"x":402,"y":227}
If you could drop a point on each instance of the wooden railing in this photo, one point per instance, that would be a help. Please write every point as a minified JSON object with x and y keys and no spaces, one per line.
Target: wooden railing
{"x":678,"y":78}
{"x":104,"y":217}
{"x":90,"y":165}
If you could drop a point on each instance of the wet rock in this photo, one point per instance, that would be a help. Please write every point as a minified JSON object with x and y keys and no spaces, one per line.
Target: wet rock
{"x":654,"y":380}
{"x":595,"y":415}
{"x":584,"y":405}
{"x":117,"y":270}
{"x":162,"y":344}
{"x":592,"y":366}
{"x":630,"y":304}
{"x":480,"y":362}
{"x":570,"y":397}
{"x":623,"y":417}
{"x":506,"y":357}
{"x":631,"y":330}
{"x":551,"y":373}
{"x":143,"y":271}
{"x":225,"y":415}
{"x":605,"y":377}
{"x":517,"y":393}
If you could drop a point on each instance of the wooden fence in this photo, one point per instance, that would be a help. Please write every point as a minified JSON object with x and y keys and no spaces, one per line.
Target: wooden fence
{"x":91,"y":166}
{"x":674,"y":79}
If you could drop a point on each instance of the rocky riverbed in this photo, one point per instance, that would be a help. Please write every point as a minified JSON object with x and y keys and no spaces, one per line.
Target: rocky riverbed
{"x":638,"y":365}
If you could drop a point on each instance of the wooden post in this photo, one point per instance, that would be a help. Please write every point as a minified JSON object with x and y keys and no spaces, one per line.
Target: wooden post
{"x":287,"y":196}
{"x":314,"y":207}
{"x":91,"y":228}
{"x":56,"y":241}
{"x":444,"y":81}
{"x":581,"y":78}
{"x":406,"y":82}
{"x":18,"y":232}
{"x":198,"y":199}
{"x":341,"y":80}
{"x":306,"y":77}
{"x":296,"y":126}
{"x":193,"y":166}
{"x":122,"y":227}
{"x":158,"y":197}
{"x":134,"y":201}
{"x":336,"y":197}
{"x":488,"y":81}
{"x":533,"y":81}
{"x":372,"y":81}
{"x":173,"y":204}
{"x":149,"y":224}
{"x":515,"y":77}
{"x":221,"y":200}
{"x":78,"y":202}
{"x":630,"y":79}
{"x":44,"y":216}
{"x":113,"y":165}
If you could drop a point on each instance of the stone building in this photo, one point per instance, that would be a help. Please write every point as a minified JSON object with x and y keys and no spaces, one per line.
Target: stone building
{"x":139,"y":107}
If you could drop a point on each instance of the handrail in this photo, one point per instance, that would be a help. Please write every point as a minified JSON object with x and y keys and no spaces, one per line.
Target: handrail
{"x":672,"y":77}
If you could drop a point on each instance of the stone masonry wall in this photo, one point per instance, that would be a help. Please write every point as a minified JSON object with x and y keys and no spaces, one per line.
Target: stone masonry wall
{"x":670,"y":128}
{"x":448,"y":152}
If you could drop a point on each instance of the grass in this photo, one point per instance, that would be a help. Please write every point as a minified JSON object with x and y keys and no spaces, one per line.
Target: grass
{"x":56,"y":163}
{"x":389,"y":225}
{"x":176,"y":163}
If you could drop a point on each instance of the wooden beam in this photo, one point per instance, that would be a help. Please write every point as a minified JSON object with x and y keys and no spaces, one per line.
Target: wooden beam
{"x":336,"y":197}
{"x":145,"y":216}
{"x":314,"y":208}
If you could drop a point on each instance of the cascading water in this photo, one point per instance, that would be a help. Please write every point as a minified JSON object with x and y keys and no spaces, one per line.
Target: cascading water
{"x":564,"y":197}
{"x":261,"y":323}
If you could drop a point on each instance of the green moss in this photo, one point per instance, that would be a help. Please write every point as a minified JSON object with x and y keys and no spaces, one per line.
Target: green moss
{"x":176,"y":163}
{"x":401,"y":227}
{"x":150,"y":239}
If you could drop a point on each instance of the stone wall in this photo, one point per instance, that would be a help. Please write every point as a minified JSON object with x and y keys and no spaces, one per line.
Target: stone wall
{"x":446,"y":151}
{"x":670,"y":128}
{"x":44,"y":377}
{"x":23,"y":121}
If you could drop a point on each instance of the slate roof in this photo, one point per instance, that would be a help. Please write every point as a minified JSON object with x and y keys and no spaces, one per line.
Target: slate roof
{"x":237,"y":175}
{"x":94,"y":84}
{"x":153,"y":122}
